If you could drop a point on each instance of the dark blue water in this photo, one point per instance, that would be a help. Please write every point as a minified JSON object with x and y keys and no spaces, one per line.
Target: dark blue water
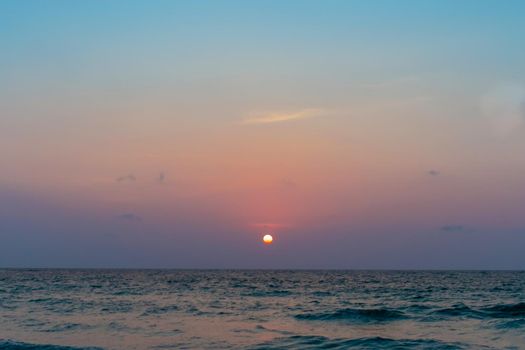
{"x":175,"y":309}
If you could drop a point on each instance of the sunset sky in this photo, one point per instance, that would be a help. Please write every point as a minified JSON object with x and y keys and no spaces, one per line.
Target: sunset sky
{"x":360,"y":134}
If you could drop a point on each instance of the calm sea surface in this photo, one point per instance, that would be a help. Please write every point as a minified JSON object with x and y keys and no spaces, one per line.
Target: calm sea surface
{"x":176,"y":309}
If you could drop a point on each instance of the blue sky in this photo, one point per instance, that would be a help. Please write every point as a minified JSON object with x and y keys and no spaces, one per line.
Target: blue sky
{"x":361,"y":134}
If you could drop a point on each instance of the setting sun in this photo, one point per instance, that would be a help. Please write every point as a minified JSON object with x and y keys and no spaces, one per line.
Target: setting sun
{"x":268,"y":239}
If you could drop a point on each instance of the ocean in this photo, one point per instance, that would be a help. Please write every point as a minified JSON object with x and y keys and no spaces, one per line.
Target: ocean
{"x":239,"y":309}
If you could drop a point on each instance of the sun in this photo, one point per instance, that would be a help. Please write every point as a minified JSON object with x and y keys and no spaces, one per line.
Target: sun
{"x":268,"y":239}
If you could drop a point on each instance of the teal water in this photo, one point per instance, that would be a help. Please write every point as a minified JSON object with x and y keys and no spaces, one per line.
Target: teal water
{"x":177,"y":309}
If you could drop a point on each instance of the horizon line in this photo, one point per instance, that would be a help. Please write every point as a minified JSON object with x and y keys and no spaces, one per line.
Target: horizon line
{"x":270,"y":269}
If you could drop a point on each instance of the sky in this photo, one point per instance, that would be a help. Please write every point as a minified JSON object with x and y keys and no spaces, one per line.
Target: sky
{"x":175,"y":134}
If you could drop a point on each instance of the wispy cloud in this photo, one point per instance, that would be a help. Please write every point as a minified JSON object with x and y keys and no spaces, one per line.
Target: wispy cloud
{"x":287,"y":183}
{"x":130,"y":217}
{"x":504,"y":108}
{"x":278,"y":117}
{"x":452,"y":228}
{"x":129,"y":177}
{"x":161,"y":178}
{"x":269,"y":225}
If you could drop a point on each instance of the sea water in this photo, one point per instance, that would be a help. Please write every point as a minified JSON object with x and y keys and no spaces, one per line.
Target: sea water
{"x":218,"y":309}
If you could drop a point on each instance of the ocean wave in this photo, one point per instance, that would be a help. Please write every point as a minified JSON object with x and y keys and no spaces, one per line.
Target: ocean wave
{"x":497,"y":311}
{"x":460,"y":310}
{"x":117,"y":307}
{"x":65,"y":327}
{"x":14,"y":345}
{"x":506,"y":310}
{"x":513,"y":324}
{"x":320,"y":342}
{"x":358,"y":315}
{"x":267,"y":293}
{"x":63,"y":305}
{"x":159,"y":310}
